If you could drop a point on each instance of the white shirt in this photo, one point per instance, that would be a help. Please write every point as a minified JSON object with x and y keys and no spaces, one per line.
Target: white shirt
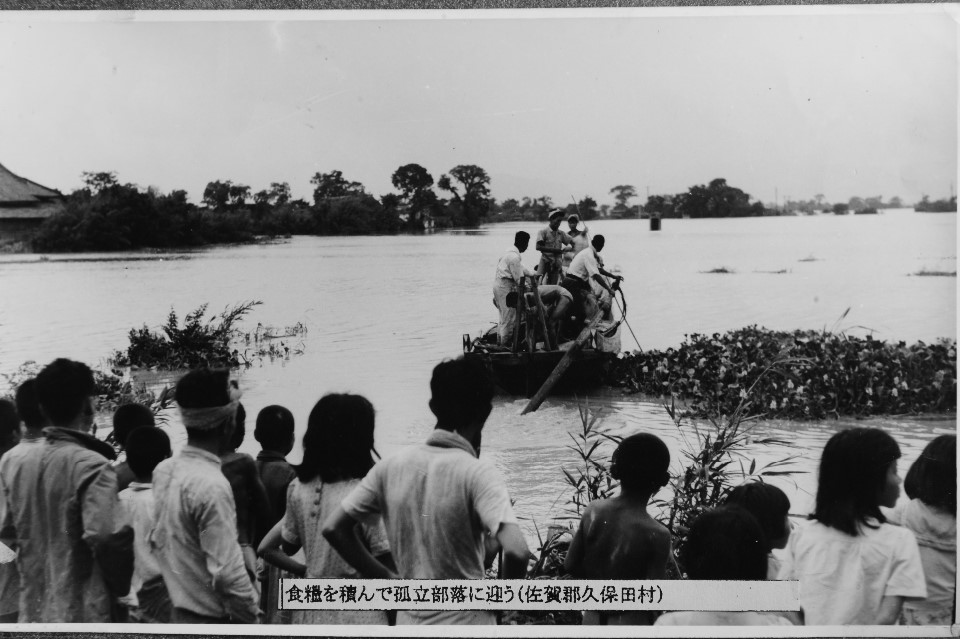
{"x":437,"y":500}
{"x":511,"y":268}
{"x":137,"y":510}
{"x":843,"y":579}
{"x":585,"y":264}
{"x":715,"y":618}
{"x":936,"y":533}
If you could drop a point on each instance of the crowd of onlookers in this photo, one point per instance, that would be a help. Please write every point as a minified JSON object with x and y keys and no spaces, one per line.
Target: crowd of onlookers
{"x":204,"y":536}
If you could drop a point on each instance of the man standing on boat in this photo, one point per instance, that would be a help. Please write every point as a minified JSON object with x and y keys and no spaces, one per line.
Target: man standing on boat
{"x":586,"y":266}
{"x":550,"y":241}
{"x":510,"y":273}
{"x":581,"y":240}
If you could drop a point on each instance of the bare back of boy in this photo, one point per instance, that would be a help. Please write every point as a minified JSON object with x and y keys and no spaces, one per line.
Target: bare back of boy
{"x":622,"y":541}
{"x":618,"y":539}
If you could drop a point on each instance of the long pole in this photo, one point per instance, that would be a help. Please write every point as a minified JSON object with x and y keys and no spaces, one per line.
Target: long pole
{"x":561,"y":366}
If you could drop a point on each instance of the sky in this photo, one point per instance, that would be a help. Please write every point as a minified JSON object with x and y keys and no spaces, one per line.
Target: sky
{"x":782,"y":102}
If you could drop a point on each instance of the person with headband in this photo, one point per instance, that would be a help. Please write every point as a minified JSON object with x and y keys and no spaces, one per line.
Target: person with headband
{"x":195,"y":537}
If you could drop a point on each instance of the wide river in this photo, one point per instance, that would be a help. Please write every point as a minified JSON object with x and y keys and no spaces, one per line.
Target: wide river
{"x":382,"y":311}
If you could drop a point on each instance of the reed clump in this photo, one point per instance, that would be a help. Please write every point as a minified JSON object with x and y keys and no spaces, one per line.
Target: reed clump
{"x":714,"y":459}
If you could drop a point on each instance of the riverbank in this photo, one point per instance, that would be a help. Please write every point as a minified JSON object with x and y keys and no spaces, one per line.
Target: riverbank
{"x":796,"y":375}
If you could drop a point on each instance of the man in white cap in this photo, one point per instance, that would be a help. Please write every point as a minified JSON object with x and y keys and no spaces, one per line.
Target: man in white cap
{"x":195,"y":537}
{"x":550,"y":241}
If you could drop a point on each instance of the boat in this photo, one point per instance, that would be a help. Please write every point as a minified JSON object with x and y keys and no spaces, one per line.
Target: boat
{"x":529,"y":363}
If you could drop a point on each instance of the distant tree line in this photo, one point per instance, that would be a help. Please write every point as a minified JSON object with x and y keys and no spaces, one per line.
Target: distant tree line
{"x":937,"y":206}
{"x":107,"y":215}
{"x":716,"y":199}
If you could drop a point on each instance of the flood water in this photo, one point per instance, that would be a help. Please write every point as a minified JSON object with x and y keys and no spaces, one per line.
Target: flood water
{"x":382,"y":311}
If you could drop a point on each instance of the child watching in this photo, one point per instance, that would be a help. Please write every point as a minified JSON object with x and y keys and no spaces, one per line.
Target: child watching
{"x":336,"y":456}
{"x":126,"y":418}
{"x":275,"y":432}
{"x":931,"y":514}
{"x":725,"y":543}
{"x":853,"y":567}
{"x":253,"y":509}
{"x":147,"y":446}
{"x":770,"y":506}
{"x":617,"y":538}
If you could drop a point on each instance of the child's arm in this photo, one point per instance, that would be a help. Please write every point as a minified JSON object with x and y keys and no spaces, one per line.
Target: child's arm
{"x":270,"y":550}
{"x":574,"y":561}
{"x":340,"y":531}
{"x":889,"y":610}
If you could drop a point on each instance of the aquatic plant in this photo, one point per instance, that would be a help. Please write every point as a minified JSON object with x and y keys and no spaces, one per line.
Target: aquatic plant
{"x":590,"y":478}
{"x":715,"y":459}
{"x":198,"y":342}
{"x":716,"y":462}
{"x":821,"y":374}
{"x":720,"y":270}
{"x":932,"y":273}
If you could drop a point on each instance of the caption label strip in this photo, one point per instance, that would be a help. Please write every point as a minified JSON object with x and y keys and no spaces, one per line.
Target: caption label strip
{"x":521,"y":594}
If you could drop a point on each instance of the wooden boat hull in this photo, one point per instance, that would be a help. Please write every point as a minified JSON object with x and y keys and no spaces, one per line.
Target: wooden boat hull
{"x":523,"y":373}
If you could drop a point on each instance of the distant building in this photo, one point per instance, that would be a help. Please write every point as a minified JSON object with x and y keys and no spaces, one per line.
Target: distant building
{"x":24,"y":205}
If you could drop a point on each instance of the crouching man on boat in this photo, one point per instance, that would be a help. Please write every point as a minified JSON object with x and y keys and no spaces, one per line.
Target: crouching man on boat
{"x":510,"y":273}
{"x":587,"y":266}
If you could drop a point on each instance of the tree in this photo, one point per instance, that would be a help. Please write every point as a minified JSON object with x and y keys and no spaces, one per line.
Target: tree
{"x":99,"y":181}
{"x":222,"y":196}
{"x":238,"y":194}
{"x":509,"y":206}
{"x":895,"y":202}
{"x":717,"y":199}
{"x":333,"y":184}
{"x":415,"y":183}
{"x":217,"y":194}
{"x":622,"y":194}
{"x":856,"y":203}
{"x":587,"y":208}
{"x":660,"y":204}
{"x":411,"y":179}
{"x":472,"y":195}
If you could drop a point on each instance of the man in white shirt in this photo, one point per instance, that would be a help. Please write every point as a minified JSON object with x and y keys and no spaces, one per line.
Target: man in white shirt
{"x":510,"y":272}
{"x":586,"y":267}
{"x":438,"y":500}
{"x":194,"y":539}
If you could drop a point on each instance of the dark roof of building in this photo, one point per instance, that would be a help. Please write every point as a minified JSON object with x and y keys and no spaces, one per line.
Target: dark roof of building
{"x":14,"y":188}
